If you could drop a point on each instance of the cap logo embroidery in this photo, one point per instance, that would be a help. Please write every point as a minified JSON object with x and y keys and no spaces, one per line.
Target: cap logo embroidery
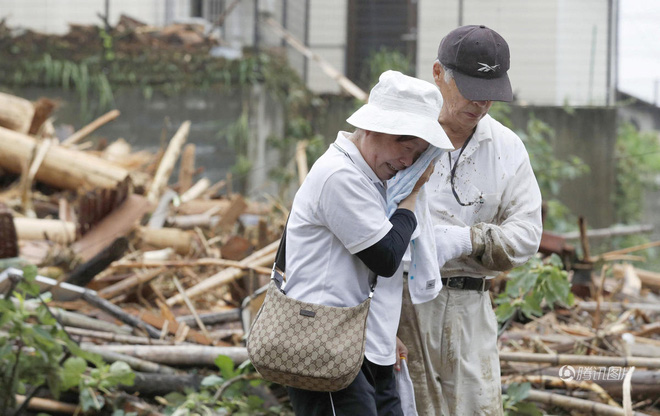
{"x":487,"y":68}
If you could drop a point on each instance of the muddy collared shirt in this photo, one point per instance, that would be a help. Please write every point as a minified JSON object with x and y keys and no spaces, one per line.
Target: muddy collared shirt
{"x":505,"y":222}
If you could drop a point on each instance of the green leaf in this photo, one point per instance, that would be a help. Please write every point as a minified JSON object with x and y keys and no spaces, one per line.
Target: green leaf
{"x":254,"y":402}
{"x":73,"y":368}
{"x":120,"y":373}
{"x":518,"y":391}
{"x":226,"y":366}
{"x":527,"y":409}
{"x":504,"y":312}
{"x":212,"y":380}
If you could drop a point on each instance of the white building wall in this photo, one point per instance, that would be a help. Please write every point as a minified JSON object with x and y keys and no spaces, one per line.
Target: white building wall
{"x":550,"y":43}
{"x":582,"y":58}
{"x":54,"y":16}
{"x":327,"y":38}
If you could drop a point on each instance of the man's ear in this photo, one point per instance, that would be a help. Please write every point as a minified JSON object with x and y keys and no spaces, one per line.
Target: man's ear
{"x":438,"y":73}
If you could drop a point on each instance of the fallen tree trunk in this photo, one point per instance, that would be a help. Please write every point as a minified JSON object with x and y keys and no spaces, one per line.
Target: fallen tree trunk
{"x":62,"y":168}
{"x":181,"y":241}
{"x":179,"y":354}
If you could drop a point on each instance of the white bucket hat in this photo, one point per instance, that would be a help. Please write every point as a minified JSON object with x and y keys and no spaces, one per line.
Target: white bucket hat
{"x":403,"y":106}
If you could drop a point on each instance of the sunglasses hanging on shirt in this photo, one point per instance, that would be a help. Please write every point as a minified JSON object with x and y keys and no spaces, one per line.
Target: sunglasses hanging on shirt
{"x":452,"y":171}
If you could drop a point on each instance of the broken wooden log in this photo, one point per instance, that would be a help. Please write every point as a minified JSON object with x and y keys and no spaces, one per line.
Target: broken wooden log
{"x":135,"y":363}
{"x":591,"y":306}
{"x":152,"y":384}
{"x":89,"y":129}
{"x":124,"y":286}
{"x":62,"y":168}
{"x":167,"y":163}
{"x":184,"y":355}
{"x":188,"y":263}
{"x":568,"y":359}
{"x":649,"y":279}
{"x":195,"y":191}
{"x":263,"y":257}
{"x":119,"y":222}
{"x":45,"y":229}
{"x":118,"y":313}
{"x":181,"y":241}
{"x":86,"y":272}
{"x":48,"y":405}
{"x":67,"y":318}
{"x":16,"y":113}
{"x":112,"y":337}
{"x":213,"y":318}
{"x":187,"y":168}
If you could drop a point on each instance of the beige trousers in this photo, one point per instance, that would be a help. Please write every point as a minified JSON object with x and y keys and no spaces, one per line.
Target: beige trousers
{"x":453,"y":357}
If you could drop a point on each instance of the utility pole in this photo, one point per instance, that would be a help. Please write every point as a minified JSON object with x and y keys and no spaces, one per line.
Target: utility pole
{"x":656,"y":91}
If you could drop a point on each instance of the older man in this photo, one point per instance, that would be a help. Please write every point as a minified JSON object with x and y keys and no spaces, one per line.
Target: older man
{"x":486,"y":207}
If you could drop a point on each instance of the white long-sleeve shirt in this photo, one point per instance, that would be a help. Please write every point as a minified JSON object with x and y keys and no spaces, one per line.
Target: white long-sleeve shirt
{"x":506,"y":227}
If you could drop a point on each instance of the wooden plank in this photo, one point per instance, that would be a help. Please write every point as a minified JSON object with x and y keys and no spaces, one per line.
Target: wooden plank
{"x":116,"y":224}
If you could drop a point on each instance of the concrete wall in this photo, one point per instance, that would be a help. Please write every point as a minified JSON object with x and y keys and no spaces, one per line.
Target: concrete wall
{"x":589,"y":133}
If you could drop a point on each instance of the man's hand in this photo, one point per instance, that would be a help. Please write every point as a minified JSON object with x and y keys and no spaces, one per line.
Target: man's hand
{"x":452,"y":242}
{"x":401,"y":354}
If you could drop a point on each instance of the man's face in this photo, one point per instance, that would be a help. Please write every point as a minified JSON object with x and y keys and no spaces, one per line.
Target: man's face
{"x":458,"y":111}
{"x":387,"y":154}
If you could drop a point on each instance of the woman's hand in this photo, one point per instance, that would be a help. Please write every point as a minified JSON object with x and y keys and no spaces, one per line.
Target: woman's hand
{"x":425,"y":177}
{"x":401,"y":354}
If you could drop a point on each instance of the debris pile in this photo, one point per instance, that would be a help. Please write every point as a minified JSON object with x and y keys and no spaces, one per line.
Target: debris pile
{"x":140,"y":271}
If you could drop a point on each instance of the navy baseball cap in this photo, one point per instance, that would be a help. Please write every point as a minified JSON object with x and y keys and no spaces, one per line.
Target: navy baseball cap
{"x":479,"y":59}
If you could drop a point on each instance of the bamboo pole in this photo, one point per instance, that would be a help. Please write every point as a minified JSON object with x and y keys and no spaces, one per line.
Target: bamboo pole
{"x":90,"y":128}
{"x":592,"y":360}
{"x":573,"y":403}
{"x":167,"y":162}
{"x":617,"y":306}
{"x":262,"y":257}
{"x":81,"y":321}
{"x":557,"y":382}
{"x":109,"y":336}
{"x":186,"y":355}
{"x":136,"y":363}
{"x":191,"y":307}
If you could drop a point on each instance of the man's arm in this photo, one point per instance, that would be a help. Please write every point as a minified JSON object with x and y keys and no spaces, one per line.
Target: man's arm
{"x":517,"y":236}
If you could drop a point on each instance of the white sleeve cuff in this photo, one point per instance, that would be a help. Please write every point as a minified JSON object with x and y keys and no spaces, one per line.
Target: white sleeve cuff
{"x":463,"y":240}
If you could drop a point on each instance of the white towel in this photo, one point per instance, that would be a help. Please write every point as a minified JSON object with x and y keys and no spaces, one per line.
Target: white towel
{"x":404,"y":386}
{"x":424,"y":274}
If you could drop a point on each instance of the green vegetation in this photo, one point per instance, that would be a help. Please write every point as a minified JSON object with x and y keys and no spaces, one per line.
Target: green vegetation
{"x":36,"y":353}
{"x":530,"y":285}
{"x":637,"y":164}
{"x":229,"y":392}
{"x":513,"y":403}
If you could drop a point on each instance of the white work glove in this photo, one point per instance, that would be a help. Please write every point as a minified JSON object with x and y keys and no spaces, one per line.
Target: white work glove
{"x":452,"y":242}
